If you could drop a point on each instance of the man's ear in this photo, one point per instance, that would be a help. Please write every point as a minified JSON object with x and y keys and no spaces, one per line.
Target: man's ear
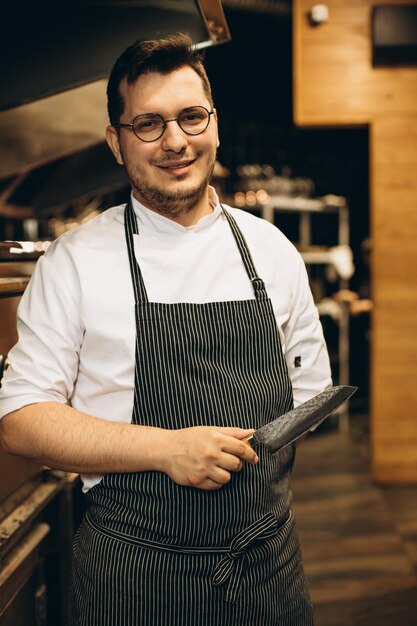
{"x":112,"y":139}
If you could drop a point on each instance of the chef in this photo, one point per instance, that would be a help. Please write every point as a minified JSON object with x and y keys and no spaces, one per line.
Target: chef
{"x":152,"y":340}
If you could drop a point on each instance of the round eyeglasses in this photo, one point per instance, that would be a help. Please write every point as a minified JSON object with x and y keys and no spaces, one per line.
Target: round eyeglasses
{"x":151,"y":126}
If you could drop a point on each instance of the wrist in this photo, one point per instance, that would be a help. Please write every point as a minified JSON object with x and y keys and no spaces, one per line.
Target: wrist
{"x":156,"y":445}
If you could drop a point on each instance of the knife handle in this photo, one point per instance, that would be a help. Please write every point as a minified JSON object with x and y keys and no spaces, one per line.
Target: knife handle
{"x":250,"y":441}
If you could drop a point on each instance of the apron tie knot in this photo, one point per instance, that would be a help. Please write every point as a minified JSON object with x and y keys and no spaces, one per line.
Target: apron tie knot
{"x":229,"y":569}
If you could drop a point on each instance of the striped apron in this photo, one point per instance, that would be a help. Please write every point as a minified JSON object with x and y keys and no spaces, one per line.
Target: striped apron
{"x":153,"y":553}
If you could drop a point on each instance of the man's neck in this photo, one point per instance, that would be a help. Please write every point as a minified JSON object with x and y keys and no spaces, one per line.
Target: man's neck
{"x":188,"y":216}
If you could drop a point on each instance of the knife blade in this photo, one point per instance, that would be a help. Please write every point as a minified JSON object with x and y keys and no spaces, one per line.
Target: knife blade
{"x":291,"y":425}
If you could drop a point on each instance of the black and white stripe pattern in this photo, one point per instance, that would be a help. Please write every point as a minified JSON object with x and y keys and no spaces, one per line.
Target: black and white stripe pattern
{"x":159,"y":554}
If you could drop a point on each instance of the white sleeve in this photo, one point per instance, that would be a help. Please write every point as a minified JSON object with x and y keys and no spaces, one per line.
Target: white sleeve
{"x":305,"y":348}
{"x":44,"y":363}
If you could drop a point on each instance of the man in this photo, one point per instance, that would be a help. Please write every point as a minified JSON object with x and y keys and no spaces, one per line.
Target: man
{"x":152,"y":340}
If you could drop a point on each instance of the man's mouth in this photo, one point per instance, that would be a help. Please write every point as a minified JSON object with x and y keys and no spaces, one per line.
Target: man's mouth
{"x":175,"y":165}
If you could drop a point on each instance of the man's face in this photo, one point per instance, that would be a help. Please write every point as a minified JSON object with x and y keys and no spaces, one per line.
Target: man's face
{"x":169,"y":175}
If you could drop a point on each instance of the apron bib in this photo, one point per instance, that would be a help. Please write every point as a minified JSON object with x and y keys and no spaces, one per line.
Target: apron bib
{"x":153,"y":553}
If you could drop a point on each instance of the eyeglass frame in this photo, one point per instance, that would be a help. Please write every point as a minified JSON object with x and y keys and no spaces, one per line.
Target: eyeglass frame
{"x":173,"y":119}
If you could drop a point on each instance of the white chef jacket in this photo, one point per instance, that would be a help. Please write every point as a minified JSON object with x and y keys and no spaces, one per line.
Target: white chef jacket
{"x":76,"y":319}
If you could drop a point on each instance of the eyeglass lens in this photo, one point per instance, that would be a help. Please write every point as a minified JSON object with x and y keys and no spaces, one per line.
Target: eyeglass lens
{"x":150,"y":126}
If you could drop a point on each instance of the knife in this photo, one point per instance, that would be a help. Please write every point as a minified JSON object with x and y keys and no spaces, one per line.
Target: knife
{"x":292,"y":425}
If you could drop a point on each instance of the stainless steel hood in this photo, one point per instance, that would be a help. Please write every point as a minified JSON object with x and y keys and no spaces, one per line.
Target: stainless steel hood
{"x":52,"y":46}
{"x":54,"y":61}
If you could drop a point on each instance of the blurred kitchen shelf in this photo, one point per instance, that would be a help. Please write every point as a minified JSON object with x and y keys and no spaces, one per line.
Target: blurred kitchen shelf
{"x":319,"y":256}
{"x":306,"y":207}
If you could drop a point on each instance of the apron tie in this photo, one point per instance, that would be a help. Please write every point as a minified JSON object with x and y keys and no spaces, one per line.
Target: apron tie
{"x":229,"y":569}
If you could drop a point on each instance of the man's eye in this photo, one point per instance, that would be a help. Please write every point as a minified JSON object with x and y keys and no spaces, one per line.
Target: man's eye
{"x":146,"y":125}
{"x":189,"y":118}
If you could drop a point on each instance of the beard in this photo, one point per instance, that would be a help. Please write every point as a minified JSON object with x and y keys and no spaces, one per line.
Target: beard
{"x":169,"y":203}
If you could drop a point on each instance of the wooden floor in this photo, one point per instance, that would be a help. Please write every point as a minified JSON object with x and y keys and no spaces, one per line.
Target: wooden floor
{"x":359,"y":540}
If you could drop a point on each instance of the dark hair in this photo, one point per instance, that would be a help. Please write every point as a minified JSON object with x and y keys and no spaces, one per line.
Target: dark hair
{"x":157,"y":55}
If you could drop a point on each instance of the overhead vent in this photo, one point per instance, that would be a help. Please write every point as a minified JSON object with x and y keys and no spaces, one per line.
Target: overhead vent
{"x":49,"y":47}
{"x":55,"y":59}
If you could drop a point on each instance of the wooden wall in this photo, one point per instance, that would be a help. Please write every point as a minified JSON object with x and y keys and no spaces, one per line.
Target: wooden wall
{"x":335,"y":84}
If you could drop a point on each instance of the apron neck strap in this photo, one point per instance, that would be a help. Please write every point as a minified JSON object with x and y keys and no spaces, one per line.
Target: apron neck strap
{"x":131,"y":228}
{"x":258,"y":284}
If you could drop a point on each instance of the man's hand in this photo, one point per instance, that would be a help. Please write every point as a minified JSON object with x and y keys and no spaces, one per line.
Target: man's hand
{"x":205,"y":456}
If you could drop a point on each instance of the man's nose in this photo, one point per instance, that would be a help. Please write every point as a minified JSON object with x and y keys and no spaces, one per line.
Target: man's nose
{"x":174,"y":137}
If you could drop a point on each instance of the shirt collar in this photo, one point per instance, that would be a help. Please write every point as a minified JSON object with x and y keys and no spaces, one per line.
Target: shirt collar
{"x":156,"y":221}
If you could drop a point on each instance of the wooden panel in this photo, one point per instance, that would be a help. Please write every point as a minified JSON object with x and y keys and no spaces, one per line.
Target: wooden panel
{"x":335,"y":84}
{"x":394,"y":360}
{"x":333,"y":73}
